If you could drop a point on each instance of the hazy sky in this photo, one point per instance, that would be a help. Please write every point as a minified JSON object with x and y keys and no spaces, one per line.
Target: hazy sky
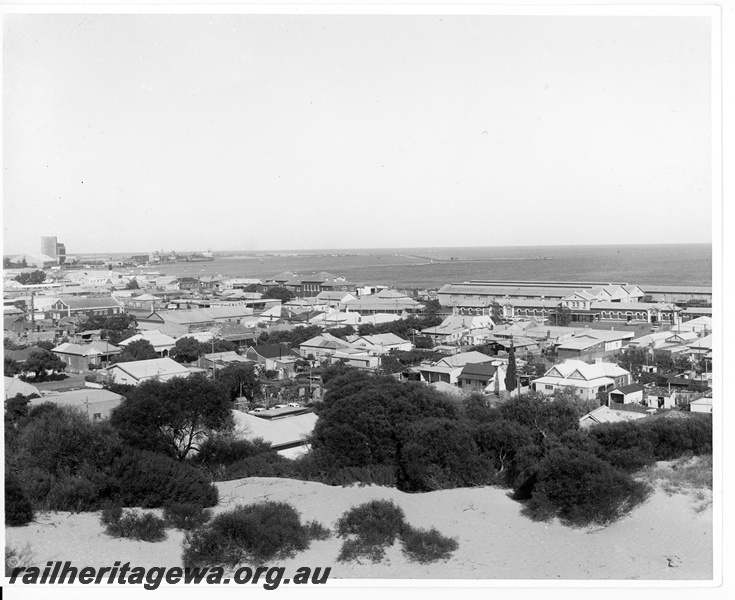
{"x":131,"y":133}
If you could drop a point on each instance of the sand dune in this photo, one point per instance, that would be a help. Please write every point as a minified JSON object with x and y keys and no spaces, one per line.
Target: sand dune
{"x":666,"y":538}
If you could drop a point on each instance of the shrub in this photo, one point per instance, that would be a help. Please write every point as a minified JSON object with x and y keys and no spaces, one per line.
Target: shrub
{"x":372,"y":527}
{"x":375,"y":525}
{"x":440,"y":454}
{"x":673,"y":438}
{"x":317,"y":531}
{"x":134,"y":525}
{"x":17,"y":557}
{"x":265,"y":464}
{"x":255,"y":534}
{"x":153,"y":480}
{"x":626,"y":445}
{"x":580,"y":489}
{"x":73,"y":493}
{"x":426,"y":546}
{"x":18,"y":508}
{"x":186,"y":516}
{"x":220,"y":450}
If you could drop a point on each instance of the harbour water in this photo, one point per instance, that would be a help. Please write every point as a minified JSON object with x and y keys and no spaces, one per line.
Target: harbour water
{"x":677,"y":264}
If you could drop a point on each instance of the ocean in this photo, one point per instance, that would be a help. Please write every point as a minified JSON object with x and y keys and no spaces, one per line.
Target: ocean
{"x":430,"y":268}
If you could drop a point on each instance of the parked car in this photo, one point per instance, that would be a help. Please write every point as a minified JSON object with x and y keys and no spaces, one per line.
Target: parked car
{"x":258,"y":409}
{"x":655,"y":327}
{"x":294,"y":405}
{"x":280,"y":406}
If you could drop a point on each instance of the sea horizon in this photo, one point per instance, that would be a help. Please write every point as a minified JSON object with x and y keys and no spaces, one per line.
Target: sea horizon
{"x":432,"y":267}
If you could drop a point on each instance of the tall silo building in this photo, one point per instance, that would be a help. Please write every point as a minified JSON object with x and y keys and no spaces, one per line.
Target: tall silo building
{"x":48,"y":246}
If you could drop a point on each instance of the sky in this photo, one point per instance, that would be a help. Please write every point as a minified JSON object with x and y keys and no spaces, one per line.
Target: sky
{"x":134,"y":133}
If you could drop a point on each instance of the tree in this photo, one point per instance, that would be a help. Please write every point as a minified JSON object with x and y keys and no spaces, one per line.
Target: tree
{"x":21,"y":304}
{"x":562,"y":316}
{"x":40,"y":361}
{"x":137,"y":350}
{"x":279,"y":293}
{"x":12,"y":367}
{"x":173,"y":416}
{"x":187,"y":349}
{"x":132,"y":285}
{"x":32,"y":278}
{"x":511,"y":376}
{"x":238,"y":380}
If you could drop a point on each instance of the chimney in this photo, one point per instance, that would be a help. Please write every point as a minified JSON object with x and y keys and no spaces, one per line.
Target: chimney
{"x":598,"y":360}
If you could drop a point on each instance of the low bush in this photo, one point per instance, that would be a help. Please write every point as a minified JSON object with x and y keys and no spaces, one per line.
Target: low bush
{"x":255,"y":534}
{"x":151,"y":480}
{"x":186,"y":516}
{"x":317,"y":531}
{"x":221,"y":451}
{"x":134,"y":525}
{"x":375,"y":526}
{"x":73,"y":493}
{"x":18,"y":508}
{"x":371,"y":528}
{"x":580,"y":489}
{"x":427,"y":546}
{"x":673,"y":438}
{"x":17,"y":558}
{"x":265,"y":464}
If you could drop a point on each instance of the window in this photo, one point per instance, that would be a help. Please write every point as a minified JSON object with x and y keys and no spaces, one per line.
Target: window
{"x":97,"y":417}
{"x":548,"y":387}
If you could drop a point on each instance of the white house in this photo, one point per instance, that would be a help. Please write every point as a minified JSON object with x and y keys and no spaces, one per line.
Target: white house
{"x":585,"y":379}
{"x":161,"y":342}
{"x":381,"y":343}
{"x":134,"y":372}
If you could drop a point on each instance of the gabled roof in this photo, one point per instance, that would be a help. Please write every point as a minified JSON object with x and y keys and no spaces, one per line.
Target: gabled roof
{"x":141,"y":369}
{"x":464,"y":358}
{"x":154,"y":336}
{"x":76,"y":303}
{"x":326,"y":340}
{"x":479,"y":370}
{"x":380,"y":339}
{"x":629,"y":389}
{"x":586,"y":371}
{"x":272,"y":351}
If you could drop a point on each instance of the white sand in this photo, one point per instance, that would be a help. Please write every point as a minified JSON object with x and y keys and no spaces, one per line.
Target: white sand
{"x":666,"y":538}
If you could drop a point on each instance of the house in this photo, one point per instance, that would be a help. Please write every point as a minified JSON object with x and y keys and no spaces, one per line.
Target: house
{"x":454,"y":327}
{"x":334,"y":299}
{"x":14,"y":386}
{"x":135,"y":372}
{"x":219,"y":360}
{"x":81,"y":358}
{"x":357,"y":358}
{"x":449,"y":368}
{"x":626,"y":394}
{"x":182,"y":322}
{"x":701,"y":405}
{"x":477,"y":377}
{"x":587,"y":380}
{"x":381,"y":343}
{"x":287,"y":435}
{"x":236,"y":333}
{"x":660,"y":397}
{"x":593,"y":343}
{"x":68,"y":306}
{"x":275,"y":357}
{"x":386,"y":301}
{"x":14,"y":325}
{"x":162,"y":343}
{"x":322,"y":346}
{"x":605,"y":414}
{"x":700,"y":325}
{"x":97,"y":404}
